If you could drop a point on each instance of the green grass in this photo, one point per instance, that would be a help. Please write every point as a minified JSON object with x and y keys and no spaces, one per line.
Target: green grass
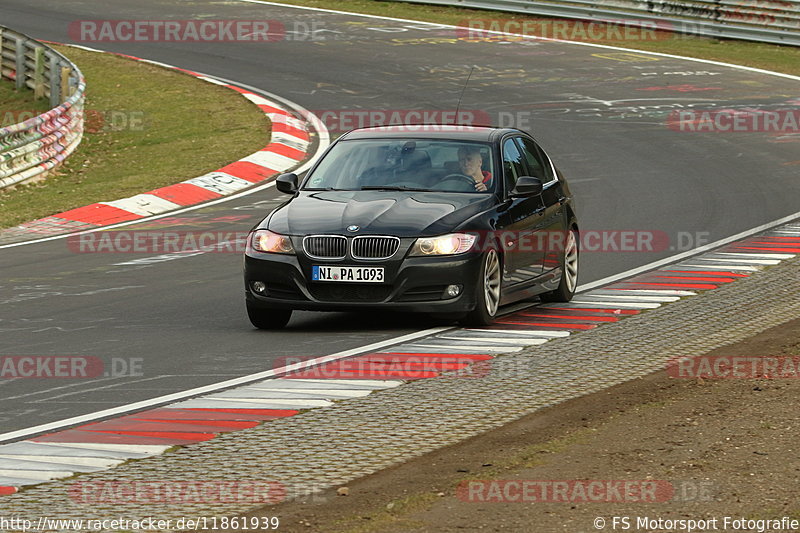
{"x":771,"y":57}
{"x":16,"y":106}
{"x":148,"y":127}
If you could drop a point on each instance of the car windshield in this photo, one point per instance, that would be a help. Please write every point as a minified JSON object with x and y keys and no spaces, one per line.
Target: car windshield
{"x":405,"y":164}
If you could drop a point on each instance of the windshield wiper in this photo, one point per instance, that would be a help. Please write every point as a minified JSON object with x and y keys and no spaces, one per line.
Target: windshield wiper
{"x":391,"y":188}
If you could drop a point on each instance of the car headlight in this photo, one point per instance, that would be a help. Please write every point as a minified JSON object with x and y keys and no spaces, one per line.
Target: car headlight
{"x":267,"y":241}
{"x":452,"y":244}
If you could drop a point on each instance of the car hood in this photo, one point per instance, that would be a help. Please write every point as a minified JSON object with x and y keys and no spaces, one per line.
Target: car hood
{"x":404,"y":214}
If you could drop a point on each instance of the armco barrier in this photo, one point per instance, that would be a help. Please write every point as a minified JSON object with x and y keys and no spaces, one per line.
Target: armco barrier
{"x":294,"y":131}
{"x":769,"y":21}
{"x":33,"y":147}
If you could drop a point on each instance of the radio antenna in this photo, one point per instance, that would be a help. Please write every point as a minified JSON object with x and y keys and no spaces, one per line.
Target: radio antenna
{"x":464,"y":88}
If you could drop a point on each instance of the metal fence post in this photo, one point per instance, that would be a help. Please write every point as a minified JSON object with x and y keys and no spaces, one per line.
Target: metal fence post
{"x":21,"y":74}
{"x":38,"y":73}
{"x":1,"y":53}
{"x":55,"y":82}
{"x":66,"y":72}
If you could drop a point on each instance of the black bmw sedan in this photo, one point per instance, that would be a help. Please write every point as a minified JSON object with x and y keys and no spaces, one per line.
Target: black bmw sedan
{"x":452,"y":220}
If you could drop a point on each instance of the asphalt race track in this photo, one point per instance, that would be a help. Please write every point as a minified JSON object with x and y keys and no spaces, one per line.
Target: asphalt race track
{"x":171,"y":325}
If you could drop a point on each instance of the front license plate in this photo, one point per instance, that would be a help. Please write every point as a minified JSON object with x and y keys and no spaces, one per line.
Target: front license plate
{"x":342,"y":273}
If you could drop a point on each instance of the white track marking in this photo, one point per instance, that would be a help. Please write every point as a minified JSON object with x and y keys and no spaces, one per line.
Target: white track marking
{"x":219,"y":182}
{"x":499,"y":340}
{"x":422,"y":350}
{"x":289,"y":140}
{"x":252,"y":403}
{"x":6,"y":481}
{"x":718,"y":260}
{"x":476,"y":344}
{"x":712,"y":267}
{"x":176,"y":396}
{"x":96,"y":462}
{"x":593,"y":306}
{"x":258,"y":100}
{"x":104,"y":387}
{"x":329,"y":384}
{"x":139,"y":450}
{"x":247,"y":393}
{"x":467,"y":348}
{"x":689,"y":253}
{"x":757,"y":255}
{"x":26,"y":464}
{"x":270,"y":160}
{"x":30,"y":448}
{"x":35,"y":476}
{"x":312,"y":393}
{"x":525,"y":333}
{"x":210,"y":80}
{"x":53,"y":389}
{"x":143,"y":204}
{"x":654,"y":292}
{"x":289,"y":121}
{"x":322,"y":145}
{"x":615,"y":304}
{"x":632,"y":298}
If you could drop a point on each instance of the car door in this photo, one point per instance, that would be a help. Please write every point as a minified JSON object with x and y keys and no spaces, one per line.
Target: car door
{"x":522,"y":221}
{"x":553,"y":197}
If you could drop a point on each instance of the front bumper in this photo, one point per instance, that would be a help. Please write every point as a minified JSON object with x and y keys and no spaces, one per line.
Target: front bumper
{"x":414,"y":284}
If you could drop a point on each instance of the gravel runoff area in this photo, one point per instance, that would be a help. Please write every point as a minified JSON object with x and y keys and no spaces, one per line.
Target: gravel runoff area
{"x":727,"y":448}
{"x":326,"y":448}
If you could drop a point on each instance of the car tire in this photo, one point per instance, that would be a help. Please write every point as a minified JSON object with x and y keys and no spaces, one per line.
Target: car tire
{"x":487,"y":292}
{"x":268,"y":318}
{"x":569,"y":267}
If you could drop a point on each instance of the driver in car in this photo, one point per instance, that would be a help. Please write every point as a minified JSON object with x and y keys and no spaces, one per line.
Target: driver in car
{"x":469,"y":162}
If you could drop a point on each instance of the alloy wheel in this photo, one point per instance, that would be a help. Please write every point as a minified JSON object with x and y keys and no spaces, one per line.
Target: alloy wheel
{"x":571,"y":261}
{"x":491,"y":282}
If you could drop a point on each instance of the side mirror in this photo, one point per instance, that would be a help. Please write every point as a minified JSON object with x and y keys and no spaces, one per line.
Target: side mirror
{"x":287,"y":183}
{"x":527,"y":186}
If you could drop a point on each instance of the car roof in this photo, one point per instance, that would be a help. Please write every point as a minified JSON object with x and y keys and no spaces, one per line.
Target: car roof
{"x":453,"y":132}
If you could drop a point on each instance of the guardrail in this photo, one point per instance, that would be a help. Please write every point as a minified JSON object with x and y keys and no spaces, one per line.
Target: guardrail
{"x":770,"y":21}
{"x":31,"y":148}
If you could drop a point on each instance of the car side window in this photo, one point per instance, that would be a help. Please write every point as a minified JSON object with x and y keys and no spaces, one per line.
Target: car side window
{"x":513,"y":166}
{"x":538,"y":164}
